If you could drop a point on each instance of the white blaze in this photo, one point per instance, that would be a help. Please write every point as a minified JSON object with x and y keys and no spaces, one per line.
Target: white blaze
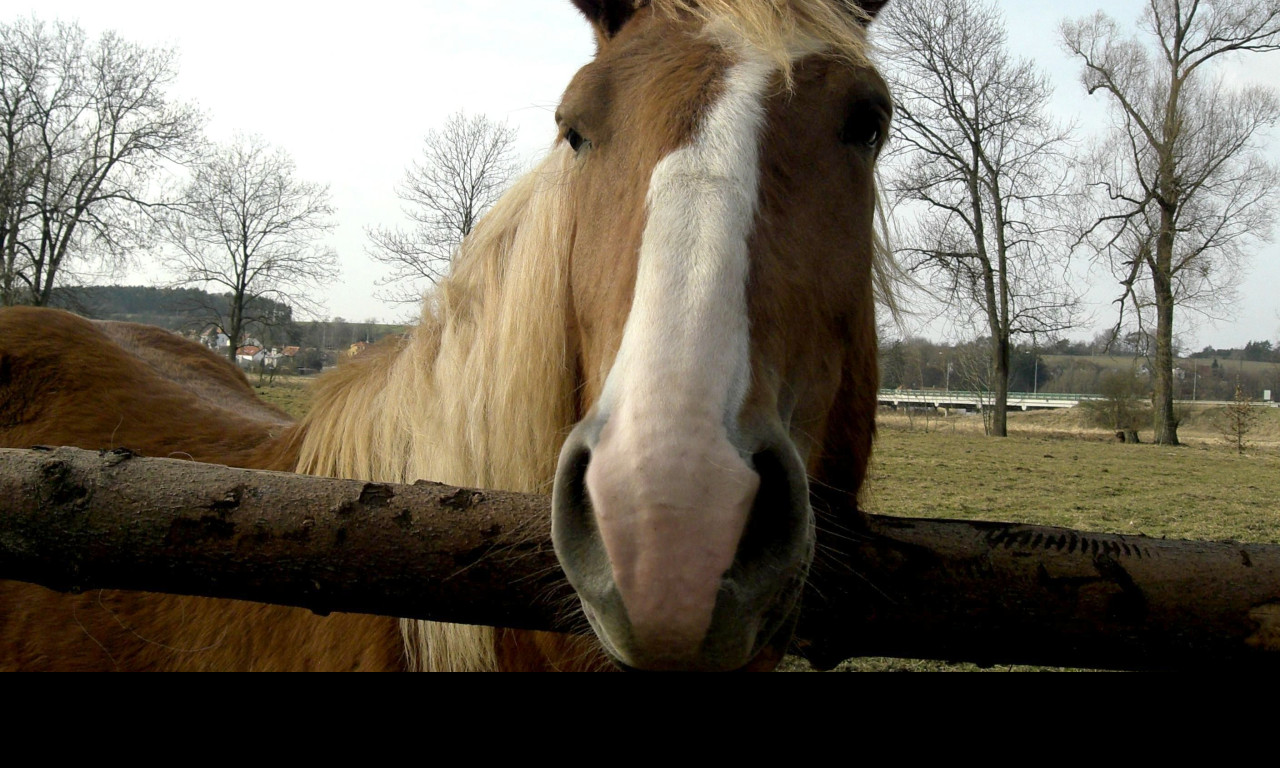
{"x":670,"y":490}
{"x":689,"y":315}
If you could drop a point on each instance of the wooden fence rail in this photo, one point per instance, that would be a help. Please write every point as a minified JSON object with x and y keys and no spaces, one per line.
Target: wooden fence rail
{"x":986,"y":592}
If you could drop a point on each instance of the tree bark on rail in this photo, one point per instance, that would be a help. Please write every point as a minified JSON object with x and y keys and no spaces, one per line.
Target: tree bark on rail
{"x":991,"y":593}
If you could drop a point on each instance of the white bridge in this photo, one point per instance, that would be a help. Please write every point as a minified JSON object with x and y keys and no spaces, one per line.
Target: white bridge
{"x":978,"y":400}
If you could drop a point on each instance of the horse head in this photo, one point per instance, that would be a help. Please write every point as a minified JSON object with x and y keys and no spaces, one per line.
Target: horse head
{"x":721,"y":282}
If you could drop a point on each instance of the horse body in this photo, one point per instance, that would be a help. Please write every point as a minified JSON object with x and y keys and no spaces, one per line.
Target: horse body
{"x":670,"y":321}
{"x":70,"y":381}
{"x":99,"y":386}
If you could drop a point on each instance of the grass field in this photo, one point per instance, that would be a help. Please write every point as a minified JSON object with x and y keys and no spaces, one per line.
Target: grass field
{"x":291,"y":393}
{"x":1053,"y":470}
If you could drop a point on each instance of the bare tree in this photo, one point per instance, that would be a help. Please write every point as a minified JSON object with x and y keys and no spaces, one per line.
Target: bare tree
{"x":1181,"y":179}
{"x":971,"y":369}
{"x":85,"y":127}
{"x":1121,"y":406}
{"x":1237,"y":419}
{"x":464,"y":168}
{"x":977,"y":159}
{"x":247,"y":227}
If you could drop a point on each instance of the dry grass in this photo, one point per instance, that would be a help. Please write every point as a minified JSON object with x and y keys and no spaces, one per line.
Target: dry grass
{"x":291,"y":393}
{"x":1052,"y":472}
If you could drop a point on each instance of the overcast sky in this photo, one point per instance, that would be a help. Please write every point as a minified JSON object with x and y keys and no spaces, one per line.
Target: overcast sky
{"x":351,"y":93}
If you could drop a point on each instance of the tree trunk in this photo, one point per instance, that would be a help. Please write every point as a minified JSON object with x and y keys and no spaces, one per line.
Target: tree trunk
{"x":236,"y":329}
{"x":1166,"y":424}
{"x":996,"y":304}
{"x":8,"y":268}
{"x":233,"y":333}
{"x":1000,"y":387}
{"x":1000,"y":328}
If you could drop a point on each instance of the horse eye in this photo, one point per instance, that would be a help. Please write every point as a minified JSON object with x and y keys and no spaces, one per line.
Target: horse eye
{"x":575,"y":139}
{"x":861,"y":129}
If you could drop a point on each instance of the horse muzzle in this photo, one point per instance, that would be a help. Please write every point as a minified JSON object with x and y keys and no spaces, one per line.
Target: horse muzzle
{"x":688,"y":553}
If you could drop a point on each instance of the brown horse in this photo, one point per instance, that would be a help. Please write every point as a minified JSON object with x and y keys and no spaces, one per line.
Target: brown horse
{"x":670,"y":322}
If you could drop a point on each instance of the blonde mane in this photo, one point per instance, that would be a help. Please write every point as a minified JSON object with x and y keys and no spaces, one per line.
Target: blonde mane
{"x":478,"y":394}
{"x":781,"y":27}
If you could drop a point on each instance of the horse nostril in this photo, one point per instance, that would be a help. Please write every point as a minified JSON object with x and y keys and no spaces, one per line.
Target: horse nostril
{"x":573,"y":476}
{"x":575,"y":532}
{"x":573,"y":526}
{"x":780,"y":513}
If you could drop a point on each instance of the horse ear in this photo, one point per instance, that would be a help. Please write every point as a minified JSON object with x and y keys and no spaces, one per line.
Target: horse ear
{"x":608,"y":16}
{"x":872,"y":7}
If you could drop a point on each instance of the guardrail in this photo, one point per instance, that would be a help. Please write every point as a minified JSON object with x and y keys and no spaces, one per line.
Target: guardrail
{"x":978,"y":400}
{"x":956,"y":398}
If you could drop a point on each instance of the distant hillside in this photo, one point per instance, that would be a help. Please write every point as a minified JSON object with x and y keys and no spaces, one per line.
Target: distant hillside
{"x":1200,"y":378}
{"x":182,"y":310}
{"x":178,"y":309}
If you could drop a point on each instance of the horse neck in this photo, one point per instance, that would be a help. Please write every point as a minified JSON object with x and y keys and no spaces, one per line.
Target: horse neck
{"x":481,"y":393}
